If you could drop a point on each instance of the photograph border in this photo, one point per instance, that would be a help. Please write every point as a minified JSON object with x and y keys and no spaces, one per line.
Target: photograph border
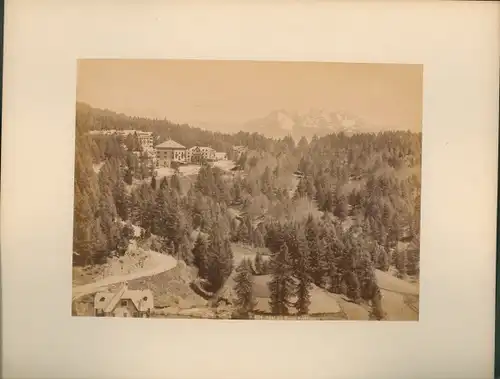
{"x":460,"y":118}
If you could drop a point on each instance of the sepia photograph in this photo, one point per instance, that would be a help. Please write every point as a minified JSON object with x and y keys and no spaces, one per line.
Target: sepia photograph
{"x":218,"y":189}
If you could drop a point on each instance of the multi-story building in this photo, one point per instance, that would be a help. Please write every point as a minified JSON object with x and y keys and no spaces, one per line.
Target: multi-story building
{"x":168,"y":152}
{"x":145,"y":138}
{"x":197,"y":153}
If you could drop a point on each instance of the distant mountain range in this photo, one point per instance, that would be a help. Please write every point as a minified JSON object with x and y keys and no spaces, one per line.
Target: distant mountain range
{"x":318,"y":122}
{"x":280,"y":123}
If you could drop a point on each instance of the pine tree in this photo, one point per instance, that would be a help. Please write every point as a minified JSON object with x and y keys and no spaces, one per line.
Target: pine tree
{"x":244,"y":230}
{"x":245,"y":300}
{"x":220,"y":260}
{"x":186,"y":250}
{"x":159,"y":214}
{"x":302,"y":268}
{"x":310,"y":188}
{"x":341,"y":207}
{"x":401,"y":260}
{"x":377,"y":312}
{"x":303,"y":144}
{"x":153,"y":182}
{"x":136,"y":206}
{"x":354,"y":287}
{"x":163,"y":183}
{"x":258,"y":263}
{"x":236,"y":193}
{"x":301,"y":190}
{"x":258,"y":238}
{"x":318,"y":261}
{"x":334,"y":275}
{"x":281,"y":285}
{"x":122,"y":200}
{"x":384,"y":260}
{"x":83,"y":239}
{"x":200,"y":253}
{"x":175,"y":183}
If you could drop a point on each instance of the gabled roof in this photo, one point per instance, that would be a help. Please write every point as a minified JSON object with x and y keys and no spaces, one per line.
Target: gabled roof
{"x":115,"y":299}
{"x":143,"y":300}
{"x":170,"y":144}
{"x":101,"y":299}
{"x":107,"y":301}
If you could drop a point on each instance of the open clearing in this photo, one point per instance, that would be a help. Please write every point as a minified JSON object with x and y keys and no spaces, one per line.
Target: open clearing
{"x":321,"y":301}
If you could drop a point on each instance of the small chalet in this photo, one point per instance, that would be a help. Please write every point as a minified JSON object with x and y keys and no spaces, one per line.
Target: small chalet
{"x":123,"y":303}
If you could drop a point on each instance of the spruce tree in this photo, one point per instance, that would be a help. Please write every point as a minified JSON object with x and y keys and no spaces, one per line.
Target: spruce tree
{"x":220,"y":260}
{"x":281,"y":285}
{"x":258,"y":263}
{"x":258,"y":238}
{"x":318,"y":260}
{"x":200,"y":255}
{"x":245,"y":300}
{"x":175,"y":183}
{"x":301,"y":190}
{"x":302,"y":269}
{"x":163,"y":183}
{"x":354,"y":287}
{"x":401,"y":262}
{"x":377,"y":312}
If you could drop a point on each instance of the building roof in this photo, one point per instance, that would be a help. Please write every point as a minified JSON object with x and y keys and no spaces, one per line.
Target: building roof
{"x":201,"y":148}
{"x":107,"y":301}
{"x":170,"y":144}
{"x":101,"y":299}
{"x":142,"y":299}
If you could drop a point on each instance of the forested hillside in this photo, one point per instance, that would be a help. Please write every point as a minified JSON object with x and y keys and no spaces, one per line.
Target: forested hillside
{"x":330,"y":211}
{"x":89,"y":118}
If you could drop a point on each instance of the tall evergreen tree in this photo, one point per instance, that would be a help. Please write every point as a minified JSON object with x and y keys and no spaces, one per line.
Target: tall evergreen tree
{"x":281,"y":285}
{"x":200,"y":254}
{"x":245,"y":300}
{"x":302,"y":269}
{"x":175,"y":183}
{"x":220,"y":260}
{"x":258,"y":263}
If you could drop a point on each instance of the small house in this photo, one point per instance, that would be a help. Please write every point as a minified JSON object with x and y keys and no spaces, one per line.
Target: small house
{"x":123,"y":303}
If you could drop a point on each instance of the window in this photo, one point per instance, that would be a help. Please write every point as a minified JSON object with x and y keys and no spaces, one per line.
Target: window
{"x":102,"y":299}
{"x":123,"y":303}
{"x":145,"y":298}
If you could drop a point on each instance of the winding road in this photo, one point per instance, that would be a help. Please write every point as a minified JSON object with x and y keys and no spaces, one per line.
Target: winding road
{"x":165,"y":263}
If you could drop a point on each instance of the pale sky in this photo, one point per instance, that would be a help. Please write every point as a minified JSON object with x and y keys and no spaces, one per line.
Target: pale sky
{"x":227,"y":92}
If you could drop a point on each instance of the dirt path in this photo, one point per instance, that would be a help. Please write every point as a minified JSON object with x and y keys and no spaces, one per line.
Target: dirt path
{"x":164,"y":263}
